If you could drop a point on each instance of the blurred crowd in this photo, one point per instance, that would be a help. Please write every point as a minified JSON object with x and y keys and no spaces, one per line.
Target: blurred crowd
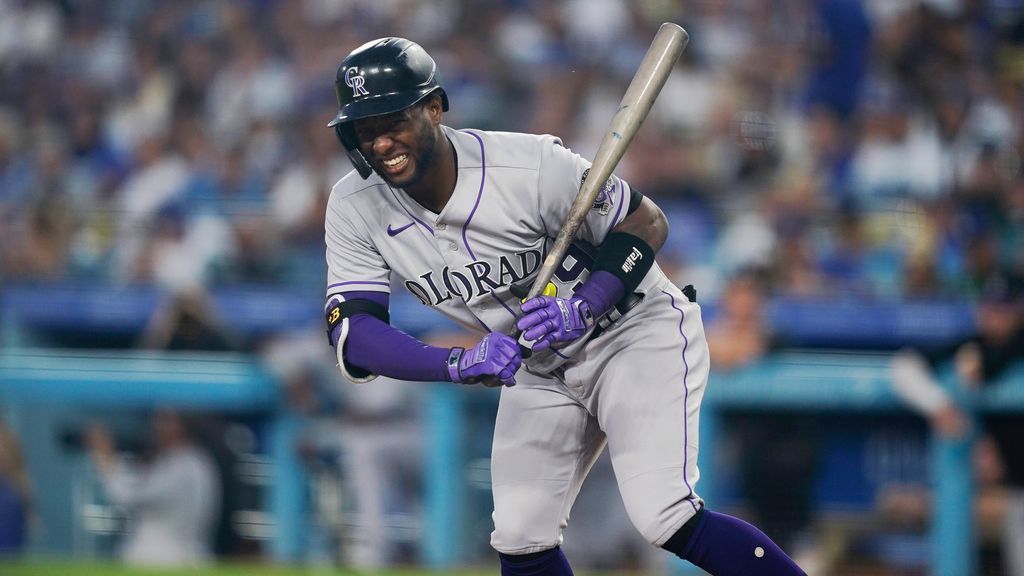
{"x":842,"y":146}
{"x":838,"y":148}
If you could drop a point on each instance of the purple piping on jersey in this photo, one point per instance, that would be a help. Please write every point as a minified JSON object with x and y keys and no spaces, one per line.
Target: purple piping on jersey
{"x":559,"y":354}
{"x":503,"y":305}
{"x":622,"y":196}
{"x":409,"y":212}
{"x":481,"y":323}
{"x":686,"y":395}
{"x":479,"y":194}
{"x":357,"y":282}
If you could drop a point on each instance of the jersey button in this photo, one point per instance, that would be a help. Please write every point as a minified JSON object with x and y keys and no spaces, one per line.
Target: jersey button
{"x":441,"y":227}
{"x":453,"y":246}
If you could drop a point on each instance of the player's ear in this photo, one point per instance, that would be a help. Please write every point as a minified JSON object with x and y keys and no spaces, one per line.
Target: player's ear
{"x":434,"y":109}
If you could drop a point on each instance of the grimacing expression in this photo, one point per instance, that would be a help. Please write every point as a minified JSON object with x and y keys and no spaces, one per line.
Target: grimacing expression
{"x":399,"y":146}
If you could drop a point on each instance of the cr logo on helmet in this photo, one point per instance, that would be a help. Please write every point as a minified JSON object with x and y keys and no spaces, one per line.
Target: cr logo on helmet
{"x":355,"y":82}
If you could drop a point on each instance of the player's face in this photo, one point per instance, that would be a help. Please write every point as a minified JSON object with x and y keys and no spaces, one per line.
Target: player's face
{"x":400,"y":146}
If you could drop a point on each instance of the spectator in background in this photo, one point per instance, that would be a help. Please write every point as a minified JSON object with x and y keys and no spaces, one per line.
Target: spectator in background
{"x":738,"y":335}
{"x":779,"y":452}
{"x":298,"y":200}
{"x":187,"y":321}
{"x":15,"y":494}
{"x":981,"y":360}
{"x":172,"y":501}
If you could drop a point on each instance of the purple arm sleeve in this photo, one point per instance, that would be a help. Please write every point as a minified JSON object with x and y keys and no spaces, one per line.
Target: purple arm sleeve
{"x":601,"y":291}
{"x":378,"y":347}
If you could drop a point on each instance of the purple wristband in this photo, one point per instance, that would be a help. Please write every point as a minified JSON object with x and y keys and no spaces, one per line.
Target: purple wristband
{"x":601,"y":291}
{"x":452,"y":363}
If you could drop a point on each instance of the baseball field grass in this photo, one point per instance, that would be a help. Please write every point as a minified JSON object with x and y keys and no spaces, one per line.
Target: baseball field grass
{"x":72,"y":568}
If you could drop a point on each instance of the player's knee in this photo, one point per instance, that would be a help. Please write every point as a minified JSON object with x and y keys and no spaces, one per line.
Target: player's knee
{"x":523,"y":525}
{"x":515,"y":536}
{"x":678,"y":542}
{"x":656,"y":513}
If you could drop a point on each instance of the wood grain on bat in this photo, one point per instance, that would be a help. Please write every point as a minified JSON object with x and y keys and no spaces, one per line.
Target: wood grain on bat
{"x":668,"y":44}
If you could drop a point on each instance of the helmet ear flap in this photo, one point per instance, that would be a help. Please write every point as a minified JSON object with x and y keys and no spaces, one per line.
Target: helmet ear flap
{"x":346,"y":134}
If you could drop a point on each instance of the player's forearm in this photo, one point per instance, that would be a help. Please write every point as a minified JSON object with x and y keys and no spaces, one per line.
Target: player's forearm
{"x":648,"y":223}
{"x":625,"y":257}
{"x":379,"y":348}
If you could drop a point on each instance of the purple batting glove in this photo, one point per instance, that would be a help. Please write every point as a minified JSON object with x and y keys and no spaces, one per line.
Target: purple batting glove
{"x":548,"y":320}
{"x":494,"y":359}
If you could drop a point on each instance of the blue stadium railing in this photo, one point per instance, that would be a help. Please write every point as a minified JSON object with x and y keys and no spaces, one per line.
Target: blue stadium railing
{"x":36,"y":382}
{"x":30,"y":310}
{"x":806,"y":381}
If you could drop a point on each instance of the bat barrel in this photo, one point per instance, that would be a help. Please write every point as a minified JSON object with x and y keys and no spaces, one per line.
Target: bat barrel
{"x":650,"y":77}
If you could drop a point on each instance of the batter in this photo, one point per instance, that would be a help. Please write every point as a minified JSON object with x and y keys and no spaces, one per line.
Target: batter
{"x":462,"y":220}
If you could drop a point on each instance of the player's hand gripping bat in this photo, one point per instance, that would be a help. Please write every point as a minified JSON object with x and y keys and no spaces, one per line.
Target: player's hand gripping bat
{"x":668,"y":44}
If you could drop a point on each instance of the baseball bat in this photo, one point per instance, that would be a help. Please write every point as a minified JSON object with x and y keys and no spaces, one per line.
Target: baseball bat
{"x":668,"y":44}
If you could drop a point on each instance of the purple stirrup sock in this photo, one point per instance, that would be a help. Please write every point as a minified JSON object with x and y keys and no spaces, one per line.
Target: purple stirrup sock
{"x":547,"y":563}
{"x":723,"y":545}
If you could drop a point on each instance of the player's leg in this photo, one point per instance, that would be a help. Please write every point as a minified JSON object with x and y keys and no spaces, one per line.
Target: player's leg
{"x":544,"y":444}
{"x":648,"y":402}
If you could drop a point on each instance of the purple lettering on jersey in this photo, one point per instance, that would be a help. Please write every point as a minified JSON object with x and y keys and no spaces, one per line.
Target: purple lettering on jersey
{"x":526,"y":265}
{"x":476,"y":280}
{"x":576,"y":261}
{"x":446,"y":278}
{"x":396,"y":231}
{"x":481,"y":271}
{"x":438,"y":298}
{"x":465,"y":294}
{"x":417,"y":291}
{"x":505,"y":268}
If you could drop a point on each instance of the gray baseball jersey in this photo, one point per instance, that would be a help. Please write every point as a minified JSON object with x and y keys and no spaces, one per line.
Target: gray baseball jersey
{"x":640,"y":381}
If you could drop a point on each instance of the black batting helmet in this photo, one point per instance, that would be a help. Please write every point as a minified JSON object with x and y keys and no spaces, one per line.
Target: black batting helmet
{"x":380,"y":77}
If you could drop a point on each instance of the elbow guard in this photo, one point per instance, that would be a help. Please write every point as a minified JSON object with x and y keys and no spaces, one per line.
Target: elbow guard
{"x":337,"y":314}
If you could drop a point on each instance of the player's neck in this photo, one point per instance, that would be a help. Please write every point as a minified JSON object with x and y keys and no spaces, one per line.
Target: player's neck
{"x":437,"y":185}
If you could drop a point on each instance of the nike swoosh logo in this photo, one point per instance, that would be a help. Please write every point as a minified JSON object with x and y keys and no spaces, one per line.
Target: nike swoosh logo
{"x":397,"y":231}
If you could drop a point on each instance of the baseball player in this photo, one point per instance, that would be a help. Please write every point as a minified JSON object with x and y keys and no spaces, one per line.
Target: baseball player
{"x":462,"y":219}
